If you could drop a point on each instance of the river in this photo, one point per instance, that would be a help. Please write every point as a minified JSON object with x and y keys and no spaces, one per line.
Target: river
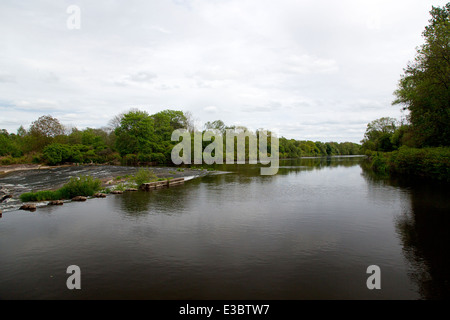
{"x":309,"y":232}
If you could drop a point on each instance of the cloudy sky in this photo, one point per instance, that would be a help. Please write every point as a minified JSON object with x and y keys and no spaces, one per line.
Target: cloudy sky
{"x":316,"y":70}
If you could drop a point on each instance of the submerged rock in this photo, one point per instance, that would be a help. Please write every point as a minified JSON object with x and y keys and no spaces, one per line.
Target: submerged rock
{"x":28,"y":207}
{"x":56,"y":203}
{"x":79,"y":198}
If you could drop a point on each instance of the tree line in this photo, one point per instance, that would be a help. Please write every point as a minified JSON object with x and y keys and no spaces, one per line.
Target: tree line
{"x":420,"y":145}
{"x":132,"y":138}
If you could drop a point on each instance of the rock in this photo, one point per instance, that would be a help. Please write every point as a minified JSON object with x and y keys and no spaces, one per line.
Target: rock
{"x":56,"y":203}
{"x":28,"y":207}
{"x":100,"y":195}
{"x":116,"y":192}
{"x":5,"y":197}
{"x":131,"y":189}
{"x":79,"y":198}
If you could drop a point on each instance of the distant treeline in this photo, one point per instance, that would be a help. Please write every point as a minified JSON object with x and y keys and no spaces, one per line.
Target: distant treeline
{"x":131,"y":138}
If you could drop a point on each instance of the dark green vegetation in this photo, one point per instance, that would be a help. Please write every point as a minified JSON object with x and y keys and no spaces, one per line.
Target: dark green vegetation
{"x":132,"y":138}
{"x":421,"y":146}
{"x":77,"y":186}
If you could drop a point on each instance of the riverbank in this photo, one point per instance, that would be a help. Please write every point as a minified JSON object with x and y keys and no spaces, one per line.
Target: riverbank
{"x":430,"y":163}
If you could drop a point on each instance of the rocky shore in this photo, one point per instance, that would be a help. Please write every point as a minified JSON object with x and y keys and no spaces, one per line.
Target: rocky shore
{"x":18,"y":179}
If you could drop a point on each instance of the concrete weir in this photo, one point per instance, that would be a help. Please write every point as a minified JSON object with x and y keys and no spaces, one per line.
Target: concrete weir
{"x":162,"y":184}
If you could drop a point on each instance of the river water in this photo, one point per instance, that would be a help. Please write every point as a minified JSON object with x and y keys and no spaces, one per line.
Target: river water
{"x":310,"y":232}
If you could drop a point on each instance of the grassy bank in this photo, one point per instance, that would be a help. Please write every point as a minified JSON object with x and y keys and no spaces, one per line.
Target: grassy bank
{"x":433,"y":163}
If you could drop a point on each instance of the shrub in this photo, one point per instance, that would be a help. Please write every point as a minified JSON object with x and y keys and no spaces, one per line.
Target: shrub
{"x":143,"y":176}
{"x":158,"y":157}
{"x":77,"y":186}
{"x":426,"y":162}
{"x":80,"y":186}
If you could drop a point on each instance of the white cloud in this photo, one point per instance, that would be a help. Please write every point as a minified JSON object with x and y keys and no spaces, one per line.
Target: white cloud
{"x":311,"y":69}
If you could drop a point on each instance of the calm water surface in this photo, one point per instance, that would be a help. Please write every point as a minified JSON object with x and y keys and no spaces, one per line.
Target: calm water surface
{"x":309,"y":232}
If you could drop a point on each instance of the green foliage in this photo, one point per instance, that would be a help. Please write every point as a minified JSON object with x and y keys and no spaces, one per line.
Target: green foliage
{"x":137,"y":138}
{"x":80,"y":186}
{"x":296,"y":148}
{"x":426,"y":162}
{"x":44,"y":195}
{"x":135,"y":133}
{"x":143,"y":176}
{"x":77,"y":186}
{"x":424,"y":88}
{"x":379,"y":134}
{"x":165,"y":122}
{"x":8,"y":144}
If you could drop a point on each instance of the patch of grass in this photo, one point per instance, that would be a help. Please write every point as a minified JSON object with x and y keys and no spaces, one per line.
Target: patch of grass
{"x":77,"y":186}
{"x":40,"y":196}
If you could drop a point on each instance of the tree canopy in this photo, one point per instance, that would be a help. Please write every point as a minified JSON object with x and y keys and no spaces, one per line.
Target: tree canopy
{"x":424,"y":87}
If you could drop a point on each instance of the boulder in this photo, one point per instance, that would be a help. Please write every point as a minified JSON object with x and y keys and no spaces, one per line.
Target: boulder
{"x":79,"y":198}
{"x":116,"y":192}
{"x":28,"y":207}
{"x":100,"y":195}
{"x":56,"y":203}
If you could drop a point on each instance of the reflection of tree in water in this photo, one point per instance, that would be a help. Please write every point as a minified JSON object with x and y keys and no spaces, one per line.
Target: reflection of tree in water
{"x":424,"y":231}
{"x":288,"y":166}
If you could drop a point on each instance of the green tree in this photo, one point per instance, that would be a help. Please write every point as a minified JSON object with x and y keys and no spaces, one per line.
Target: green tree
{"x":378,"y":135}
{"x":165,"y":122}
{"x":424,"y":87}
{"x":135,"y":133}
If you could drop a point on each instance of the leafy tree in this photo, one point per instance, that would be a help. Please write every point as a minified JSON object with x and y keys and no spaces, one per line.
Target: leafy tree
{"x":165,"y":122}
{"x":424,"y":87}
{"x":135,"y":133}
{"x":378,"y":135}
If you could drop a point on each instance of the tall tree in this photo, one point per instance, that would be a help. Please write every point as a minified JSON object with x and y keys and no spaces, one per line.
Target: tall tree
{"x":378,"y":134}
{"x":424,"y":89}
{"x":135,"y":133}
{"x":47,"y":126}
{"x":43,"y":131}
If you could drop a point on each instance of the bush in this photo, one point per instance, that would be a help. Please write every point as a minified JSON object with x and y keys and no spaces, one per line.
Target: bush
{"x":80,"y":186}
{"x":77,"y":186}
{"x":143,"y":176}
{"x":159,"y":158}
{"x":426,"y":162}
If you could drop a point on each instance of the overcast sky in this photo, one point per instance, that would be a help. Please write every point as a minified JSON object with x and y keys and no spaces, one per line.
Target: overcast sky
{"x":311,"y":70}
